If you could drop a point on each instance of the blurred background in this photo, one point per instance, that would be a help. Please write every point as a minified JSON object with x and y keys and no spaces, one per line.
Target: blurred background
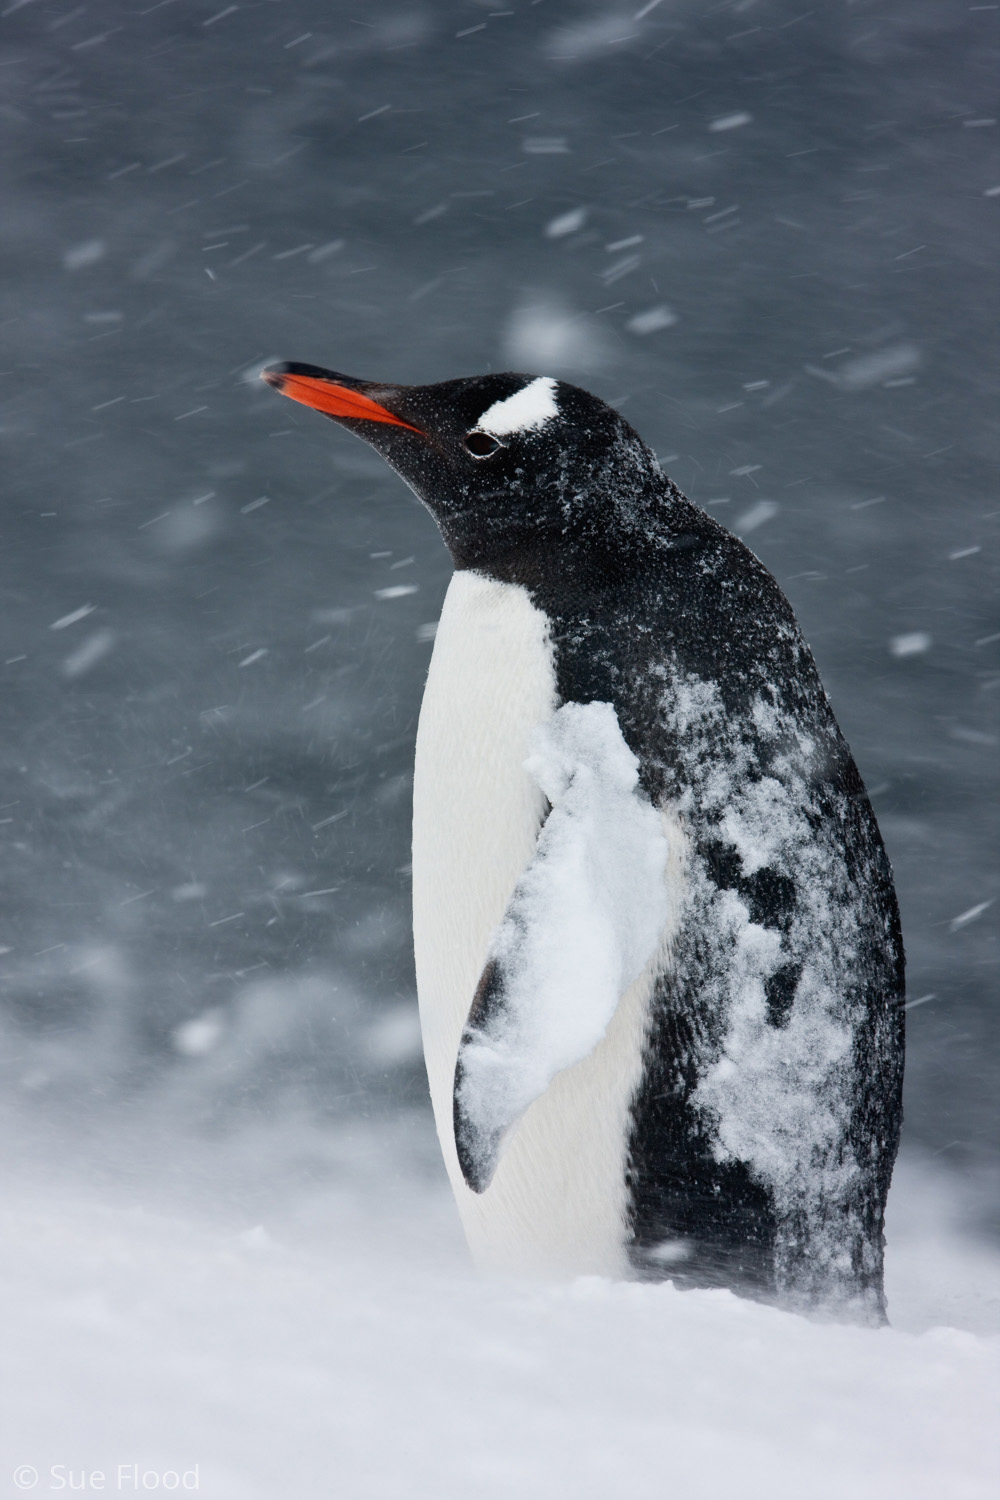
{"x":763,"y":231}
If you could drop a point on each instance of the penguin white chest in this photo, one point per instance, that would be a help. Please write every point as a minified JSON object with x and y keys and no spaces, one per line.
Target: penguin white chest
{"x":557,"y":1203}
{"x":476,"y":811}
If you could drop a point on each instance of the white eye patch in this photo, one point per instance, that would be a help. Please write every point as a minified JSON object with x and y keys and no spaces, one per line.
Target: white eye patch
{"x":528,"y":408}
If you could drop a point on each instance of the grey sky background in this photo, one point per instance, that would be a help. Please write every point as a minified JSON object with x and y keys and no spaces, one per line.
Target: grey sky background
{"x":765,"y":232}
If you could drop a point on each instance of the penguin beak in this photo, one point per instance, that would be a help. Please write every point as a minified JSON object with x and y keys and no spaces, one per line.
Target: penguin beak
{"x":326,"y":392}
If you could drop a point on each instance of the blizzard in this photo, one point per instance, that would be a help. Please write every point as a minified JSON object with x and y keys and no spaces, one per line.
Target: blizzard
{"x":767,"y":232}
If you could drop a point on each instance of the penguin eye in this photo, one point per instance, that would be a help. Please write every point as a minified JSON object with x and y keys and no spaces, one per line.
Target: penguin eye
{"x":481,"y":445}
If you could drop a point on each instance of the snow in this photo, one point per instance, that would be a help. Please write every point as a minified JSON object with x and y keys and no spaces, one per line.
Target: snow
{"x":397,"y":591}
{"x":91,"y":650}
{"x":73,"y":617}
{"x":86,"y":253}
{"x":767,"y":1089}
{"x":568,"y":223}
{"x":548,"y":331}
{"x":731,"y":122}
{"x":965,"y":917}
{"x":757,"y":515}
{"x":777,"y":1091}
{"x":528,"y":408}
{"x":545,"y":145}
{"x":584,"y":921}
{"x":291,"y":1312}
{"x":652,"y":320}
{"x":910,"y":643}
{"x":867,"y":370}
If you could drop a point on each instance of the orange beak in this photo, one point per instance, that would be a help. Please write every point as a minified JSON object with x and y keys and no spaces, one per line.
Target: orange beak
{"x":332,"y":399}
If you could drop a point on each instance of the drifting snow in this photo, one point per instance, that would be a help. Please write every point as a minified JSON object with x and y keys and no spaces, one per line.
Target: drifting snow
{"x":583,"y":923}
{"x":567,"y":223}
{"x":867,"y":370}
{"x":910,"y":643}
{"x":652,"y":320}
{"x":757,"y":515}
{"x":731,"y":122}
{"x":293,"y":1314}
{"x":545,"y":331}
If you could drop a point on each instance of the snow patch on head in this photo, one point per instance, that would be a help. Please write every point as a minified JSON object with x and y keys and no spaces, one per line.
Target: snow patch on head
{"x":528,"y":408}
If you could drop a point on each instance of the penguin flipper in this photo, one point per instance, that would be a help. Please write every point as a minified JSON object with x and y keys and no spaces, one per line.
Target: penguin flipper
{"x":584,"y":920}
{"x":478,"y":1143}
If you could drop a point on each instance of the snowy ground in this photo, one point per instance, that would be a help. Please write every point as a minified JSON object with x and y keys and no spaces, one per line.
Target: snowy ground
{"x":292,"y":1313}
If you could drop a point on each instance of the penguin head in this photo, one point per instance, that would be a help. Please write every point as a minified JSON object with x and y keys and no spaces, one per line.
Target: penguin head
{"x":519,"y":471}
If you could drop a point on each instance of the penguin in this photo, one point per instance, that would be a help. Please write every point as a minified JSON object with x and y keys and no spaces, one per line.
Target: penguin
{"x":658,"y":952}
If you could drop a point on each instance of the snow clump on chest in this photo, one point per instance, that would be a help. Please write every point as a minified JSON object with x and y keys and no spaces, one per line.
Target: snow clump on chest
{"x":584,"y":921}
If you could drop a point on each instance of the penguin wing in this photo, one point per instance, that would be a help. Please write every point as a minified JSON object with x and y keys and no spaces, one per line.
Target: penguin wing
{"x":583,"y":922}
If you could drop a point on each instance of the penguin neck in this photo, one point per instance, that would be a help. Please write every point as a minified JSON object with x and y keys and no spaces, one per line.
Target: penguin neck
{"x":552,"y":565}
{"x":586,"y":549}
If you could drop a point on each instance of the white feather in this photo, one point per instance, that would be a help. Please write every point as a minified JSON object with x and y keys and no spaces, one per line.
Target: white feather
{"x":530,"y":407}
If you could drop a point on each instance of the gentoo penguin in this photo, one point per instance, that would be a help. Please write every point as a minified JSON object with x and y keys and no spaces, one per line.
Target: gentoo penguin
{"x":658,"y":952}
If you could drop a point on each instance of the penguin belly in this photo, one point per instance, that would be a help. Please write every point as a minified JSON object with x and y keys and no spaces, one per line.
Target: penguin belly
{"x":558,"y":1202}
